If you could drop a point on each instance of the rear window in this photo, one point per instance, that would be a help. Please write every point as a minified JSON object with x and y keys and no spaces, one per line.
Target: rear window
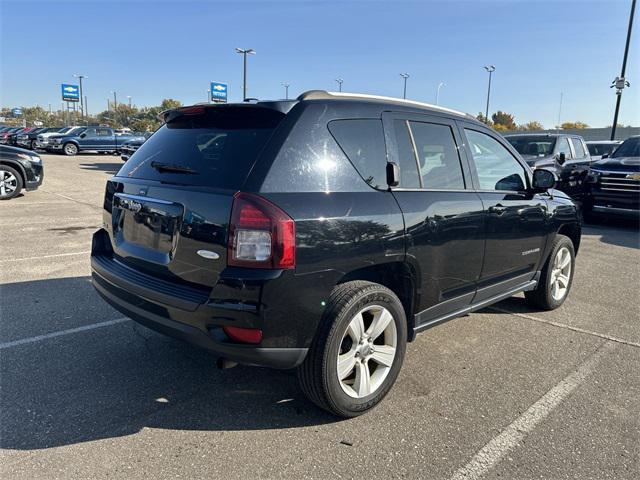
{"x":216,"y":148}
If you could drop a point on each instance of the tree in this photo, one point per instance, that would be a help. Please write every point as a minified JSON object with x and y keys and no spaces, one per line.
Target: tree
{"x":567,"y":125}
{"x":504,"y":119}
{"x":531,"y":126}
{"x":481,"y":117}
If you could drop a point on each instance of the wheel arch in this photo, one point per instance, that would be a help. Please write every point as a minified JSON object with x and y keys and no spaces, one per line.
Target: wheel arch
{"x":399,"y":277}
{"x":573,"y":231}
{"x":17,"y":166}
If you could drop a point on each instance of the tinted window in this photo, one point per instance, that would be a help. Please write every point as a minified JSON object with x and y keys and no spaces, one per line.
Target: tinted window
{"x":538,"y":146}
{"x":437,"y":155}
{"x":577,"y":147}
{"x":601,"y":148}
{"x":497,"y":168}
{"x":363,"y":142}
{"x":563,"y":147}
{"x":629,"y":148}
{"x":216,"y":148}
{"x":407,"y":163}
{"x":104,"y":132}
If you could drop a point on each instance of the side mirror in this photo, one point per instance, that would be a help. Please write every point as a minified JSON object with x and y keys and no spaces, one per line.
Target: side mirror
{"x":605,"y":155}
{"x":393,"y":174}
{"x":82,"y":135}
{"x":543,"y":180}
{"x":562,"y":158}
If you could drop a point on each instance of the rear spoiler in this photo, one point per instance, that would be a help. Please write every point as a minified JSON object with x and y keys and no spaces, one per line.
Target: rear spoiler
{"x":282,"y":106}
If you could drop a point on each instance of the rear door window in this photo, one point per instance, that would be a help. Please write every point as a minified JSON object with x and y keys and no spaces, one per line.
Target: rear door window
{"x":577,"y":147}
{"x":362,"y":141}
{"x":216,"y":147}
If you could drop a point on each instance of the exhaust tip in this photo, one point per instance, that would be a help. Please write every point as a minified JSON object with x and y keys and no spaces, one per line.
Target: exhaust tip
{"x":224,"y":363}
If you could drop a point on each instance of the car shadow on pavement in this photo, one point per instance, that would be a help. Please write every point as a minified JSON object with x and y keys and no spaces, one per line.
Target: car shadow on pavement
{"x":109,"y":167}
{"x":115,"y":380}
{"x":618,"y":232}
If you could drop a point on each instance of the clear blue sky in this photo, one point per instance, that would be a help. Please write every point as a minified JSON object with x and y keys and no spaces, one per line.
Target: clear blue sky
{"x":154,"y":50}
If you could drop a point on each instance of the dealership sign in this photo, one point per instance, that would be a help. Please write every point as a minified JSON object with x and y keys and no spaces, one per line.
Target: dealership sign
{"x":70,"y":93}
{"x":218,"y":92}
{"x":16,"y":112}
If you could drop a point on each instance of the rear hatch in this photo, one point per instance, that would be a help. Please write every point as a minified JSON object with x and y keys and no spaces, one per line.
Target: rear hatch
{"x":167,"y":210}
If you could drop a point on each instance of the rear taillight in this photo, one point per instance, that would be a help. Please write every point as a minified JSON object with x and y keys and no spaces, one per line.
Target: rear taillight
{"x":261,"y":235}
{"x":243,"y":335}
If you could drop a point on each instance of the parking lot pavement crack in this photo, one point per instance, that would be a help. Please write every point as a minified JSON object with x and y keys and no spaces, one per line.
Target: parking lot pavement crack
{"x":92,"y":205}
{"x":568,"y":327}
{"x":514,"y":434}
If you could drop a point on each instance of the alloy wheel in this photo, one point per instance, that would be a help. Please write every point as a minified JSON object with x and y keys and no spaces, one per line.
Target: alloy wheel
{"x":560,"y":274}
{"x":367,"y":351}
{"x":8,"y":183}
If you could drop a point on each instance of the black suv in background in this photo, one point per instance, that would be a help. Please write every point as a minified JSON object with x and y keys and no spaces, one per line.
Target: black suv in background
{"x":19,"y":169}
{"x":564,"y":154}
{"x":614,"y":186}
{"x":323,"y":233}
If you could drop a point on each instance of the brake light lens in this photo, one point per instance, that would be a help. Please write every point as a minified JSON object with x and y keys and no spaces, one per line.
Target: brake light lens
{"x":243,"y":335}
{"x":261,"y":235}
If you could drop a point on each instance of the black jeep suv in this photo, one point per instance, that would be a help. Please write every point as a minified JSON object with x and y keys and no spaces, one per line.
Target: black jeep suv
{"x":323,"y":233}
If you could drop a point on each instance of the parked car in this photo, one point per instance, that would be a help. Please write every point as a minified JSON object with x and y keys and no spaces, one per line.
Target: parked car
{"x":323,"y":233}
{"x":8,"y":137}
{"x":598,"y":148}
{"x":564,"y":154}
{"x":130,"y":147}
{"x":44,"y":138}
{"x":19,"y":169}
{"x":28,"y":139}
{"x":614,"y":186}
{"x":101,"y":139}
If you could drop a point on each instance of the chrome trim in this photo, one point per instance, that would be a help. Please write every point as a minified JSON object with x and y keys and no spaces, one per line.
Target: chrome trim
{"x":602,"y":209}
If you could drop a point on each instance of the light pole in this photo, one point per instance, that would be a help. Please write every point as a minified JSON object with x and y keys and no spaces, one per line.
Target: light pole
{"x":339,"y":81}
{"x":286,"y":90}
{"x":245,"y":52}
{"x":490,"y":69}
{"x":440,"y":85}
{"x":129,"y":98}
{"x":404,"y":91}
{"x":115,"y":108}
{"x":620,"y":82}
{"x":79,"y":76}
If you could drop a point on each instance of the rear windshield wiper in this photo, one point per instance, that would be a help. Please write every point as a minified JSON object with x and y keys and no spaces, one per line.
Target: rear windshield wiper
{"x":168,"y":167}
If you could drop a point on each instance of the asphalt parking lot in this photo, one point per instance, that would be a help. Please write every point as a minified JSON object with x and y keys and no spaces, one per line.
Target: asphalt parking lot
{"x":504,"y":393}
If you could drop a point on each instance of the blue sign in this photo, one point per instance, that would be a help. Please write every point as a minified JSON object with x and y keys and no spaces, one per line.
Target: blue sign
{"x":16,"y":112}
{"x":218,"y":92}
{"x":70,"y":93}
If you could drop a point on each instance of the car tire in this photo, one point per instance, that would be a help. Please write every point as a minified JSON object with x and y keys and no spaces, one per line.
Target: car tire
{"x":556,"y":277}
{"x":32,"y":145}
{"x":370,"y":366}
{"x":10,"y":182}
{"x":70,"y":149}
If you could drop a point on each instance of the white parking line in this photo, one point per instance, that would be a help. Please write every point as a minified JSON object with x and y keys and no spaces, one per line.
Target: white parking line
{"x":44,"y":256}
{"x":512,"y":435}
{"x":61,"y":333}
{"x":568,"y":327}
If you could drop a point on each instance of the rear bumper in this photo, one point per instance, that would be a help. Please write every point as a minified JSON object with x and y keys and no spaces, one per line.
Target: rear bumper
{"x":198,"y":315}
{"x":282,"y":358}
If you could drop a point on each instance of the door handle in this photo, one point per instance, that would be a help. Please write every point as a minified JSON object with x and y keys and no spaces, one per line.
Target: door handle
{"x":497,"y":209}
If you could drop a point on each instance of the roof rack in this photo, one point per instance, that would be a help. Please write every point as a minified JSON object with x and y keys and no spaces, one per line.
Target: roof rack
{"x":325,"y":95}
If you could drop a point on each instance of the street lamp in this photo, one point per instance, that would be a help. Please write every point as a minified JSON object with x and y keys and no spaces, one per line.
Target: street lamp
{"x":115,"y":108}
{"x":490,"y":69}
{"x":245,"y":52}
{"x":404,"y":91}
{"x":129,"y":98}
{"x":79,"y":76}
{"x":620,"y":82}
{"x":286,"y":90}
{"x":339,"y":81}
{"x":440,"y":85}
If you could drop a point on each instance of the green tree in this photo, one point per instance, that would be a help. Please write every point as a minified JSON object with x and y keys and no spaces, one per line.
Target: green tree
{"x":482,"y":118}
{"x":531,"y":126}
{"x":567,"y":125}
{"x":503,"y":119}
